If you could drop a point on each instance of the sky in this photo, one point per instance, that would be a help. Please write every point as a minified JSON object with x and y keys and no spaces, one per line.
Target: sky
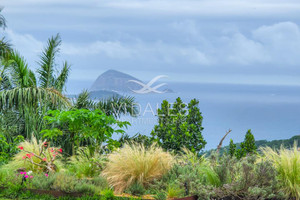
{"x":205,"y":41}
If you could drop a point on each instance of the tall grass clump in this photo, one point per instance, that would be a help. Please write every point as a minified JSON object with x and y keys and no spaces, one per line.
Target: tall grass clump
{"x":136,"y":164}
{"x":287,"y":164}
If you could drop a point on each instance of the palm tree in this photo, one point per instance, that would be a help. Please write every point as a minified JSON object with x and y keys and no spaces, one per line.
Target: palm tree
{"x":5,"y":47}
{"x":2,"y":19}
{"x":47,"y":64}
{"x":115,"y":105}
{"x":28,"y":96}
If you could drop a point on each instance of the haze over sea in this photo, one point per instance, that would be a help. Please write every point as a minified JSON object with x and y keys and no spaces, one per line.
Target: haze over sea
{"x":271,"y":112}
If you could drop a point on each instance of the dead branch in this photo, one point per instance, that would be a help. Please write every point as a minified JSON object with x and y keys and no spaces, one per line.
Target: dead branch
{"x":221,"y":142}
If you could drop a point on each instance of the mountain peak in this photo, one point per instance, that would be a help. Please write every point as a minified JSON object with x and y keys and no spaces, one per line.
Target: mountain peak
{"x":113,"y":80}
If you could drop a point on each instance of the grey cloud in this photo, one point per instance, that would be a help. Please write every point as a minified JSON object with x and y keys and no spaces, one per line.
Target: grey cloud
{"x":273,"y":44}
{"x":192,"y":37}
{"x":281,"y":41}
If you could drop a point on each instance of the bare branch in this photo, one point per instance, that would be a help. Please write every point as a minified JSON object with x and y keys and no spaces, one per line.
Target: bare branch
{"x":221,"y":142}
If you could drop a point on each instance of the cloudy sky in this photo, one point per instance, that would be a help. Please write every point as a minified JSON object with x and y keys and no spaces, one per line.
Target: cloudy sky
{"x":211,"y":41}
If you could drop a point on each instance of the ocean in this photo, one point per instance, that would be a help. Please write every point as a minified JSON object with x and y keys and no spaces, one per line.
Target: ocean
{"x":271,"y":112}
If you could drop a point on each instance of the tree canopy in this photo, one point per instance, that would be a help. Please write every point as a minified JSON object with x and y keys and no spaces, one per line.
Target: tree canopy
{"x":179,"y":126}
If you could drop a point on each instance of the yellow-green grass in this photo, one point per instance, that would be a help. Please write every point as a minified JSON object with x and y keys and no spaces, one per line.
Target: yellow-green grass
{"x":136,"y":164}
{"x":287,"y":163}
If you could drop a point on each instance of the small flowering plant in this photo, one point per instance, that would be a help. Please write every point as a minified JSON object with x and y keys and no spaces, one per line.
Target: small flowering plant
{"x":44,"y":159}
{"x":25,"y":176}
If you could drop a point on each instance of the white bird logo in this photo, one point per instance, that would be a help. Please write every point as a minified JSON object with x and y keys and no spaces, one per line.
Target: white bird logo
{"x":146,"y":88}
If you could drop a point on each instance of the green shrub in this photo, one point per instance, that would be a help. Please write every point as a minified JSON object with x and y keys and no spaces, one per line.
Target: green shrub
{"x":161,"y":195}
{"x":8,"y":148}
{"x":174,"y":191}
{"x":78,"y":127}
{"x":195,"y":171}
{"x":13,"y":190}
{"x":242,"y":179}
{"x":136,"y":189}
{"x":9,"y":176}
{"x":40,"y":181}
{"x":87,"y":163}
{"x":189,"y":174}
{"x":100,"y":182}
{"x":65,"y":182}
{"x":85,"y":187}
{"x":108,"y":194}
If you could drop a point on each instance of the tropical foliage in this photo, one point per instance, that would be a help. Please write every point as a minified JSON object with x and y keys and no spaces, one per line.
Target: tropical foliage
{"x":82,"y":127}
{"x":29,"y":96}
{"x":2,"y":19}
{"x":179,"y":126}
{"x":112,"y":106}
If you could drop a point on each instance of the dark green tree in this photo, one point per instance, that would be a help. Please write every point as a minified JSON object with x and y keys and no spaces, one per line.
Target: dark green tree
{"x":249,"y":143}
{"x":247,"y":146}
{"x":232,"y":148}
{"x":179,"y":126}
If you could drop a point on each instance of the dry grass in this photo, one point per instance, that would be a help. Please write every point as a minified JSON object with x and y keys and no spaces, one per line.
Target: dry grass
{"x":287,"y":163}
{"x":136,"y":164}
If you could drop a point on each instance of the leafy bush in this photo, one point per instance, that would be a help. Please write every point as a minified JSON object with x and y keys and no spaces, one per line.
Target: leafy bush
{"x":174,"y":191}
{"x":40,"y":181}
{"x":79,"y":127}
{"x":190,"y":174}
{"x":100,"y":182}
{"x":108,"y":194}
{"x":87,"y":163}
{"x":198,"y":168}
{"x":8,"y":148}
{"x":161,"y":195}
{"x":9,"y":176}
{"x":136,"y":164}
{"x":240,"y":179}
{"x":136,"y":189}
{"x":287,"y":164}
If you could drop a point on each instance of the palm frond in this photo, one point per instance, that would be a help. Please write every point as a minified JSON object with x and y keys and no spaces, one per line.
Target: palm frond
{"x":118,"y":105}
{"x":32,"y":78}
{"x":83,"y":101}
{"x":62,"y":78}
{"x":5,"y":83}
{"x":5,"y":48}
{"x":47,"y":62}
{"x":2,"y":20}
{"x":20,"y":73}
{"x":19,"y":97}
